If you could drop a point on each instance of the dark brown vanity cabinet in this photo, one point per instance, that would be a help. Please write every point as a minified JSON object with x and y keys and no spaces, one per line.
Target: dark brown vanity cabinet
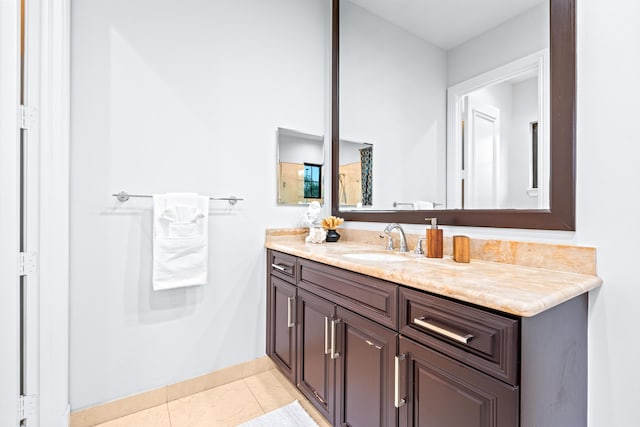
{"x":316,"y":344}
{"x":345,"y":360}
{"x":440,"y":391}
{"x":367,"y":352}
{"x":365,"y":375}
{"x":282,"y":346}
{"x":281,"y":314}
{"x":345,"y":364}
{"x":437,"y":384}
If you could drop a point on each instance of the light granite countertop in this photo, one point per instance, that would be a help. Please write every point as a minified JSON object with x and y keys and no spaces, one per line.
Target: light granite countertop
{"x":519,"y":290}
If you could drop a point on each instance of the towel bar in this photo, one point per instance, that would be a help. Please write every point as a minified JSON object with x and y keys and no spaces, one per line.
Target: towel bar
{"x":123,"y":196}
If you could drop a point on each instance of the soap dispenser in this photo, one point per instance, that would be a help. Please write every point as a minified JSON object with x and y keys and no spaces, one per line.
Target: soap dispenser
{"x":435,"y":239}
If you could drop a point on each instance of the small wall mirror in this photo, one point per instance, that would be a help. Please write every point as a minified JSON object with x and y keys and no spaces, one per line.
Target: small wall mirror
{"x":458,"y":100}
{"x":300,"y":167}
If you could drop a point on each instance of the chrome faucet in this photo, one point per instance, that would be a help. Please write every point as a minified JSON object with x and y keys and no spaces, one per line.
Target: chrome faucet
{"x":403,"y":239}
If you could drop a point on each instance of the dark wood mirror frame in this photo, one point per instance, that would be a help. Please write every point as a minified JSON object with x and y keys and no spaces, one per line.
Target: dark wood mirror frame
{"x":561,"y":214}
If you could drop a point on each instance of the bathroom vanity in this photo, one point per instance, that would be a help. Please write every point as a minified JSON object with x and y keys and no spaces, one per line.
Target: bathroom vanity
{"x":378,"y":339}
{"x":415,"y":341}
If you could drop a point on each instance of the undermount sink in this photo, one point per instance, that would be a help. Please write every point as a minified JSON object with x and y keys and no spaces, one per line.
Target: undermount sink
{"x":375,"y":256}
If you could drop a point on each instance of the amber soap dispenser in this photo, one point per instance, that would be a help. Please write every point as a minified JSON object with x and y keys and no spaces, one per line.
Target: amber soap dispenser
{"x":435,"y":239}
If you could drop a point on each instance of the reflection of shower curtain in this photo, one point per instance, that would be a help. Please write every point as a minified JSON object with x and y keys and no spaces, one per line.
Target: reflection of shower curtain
{"x":366,"y":163}
{"x":342,"y":193}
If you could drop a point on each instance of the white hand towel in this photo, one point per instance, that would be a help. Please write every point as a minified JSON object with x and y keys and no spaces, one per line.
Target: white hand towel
{"x":180,"y":240}
{"x":422,"y":205}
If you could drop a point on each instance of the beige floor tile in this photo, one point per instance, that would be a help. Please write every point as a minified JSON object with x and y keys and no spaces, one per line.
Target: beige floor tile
{"x":293,"y":391}
{"x":154,"y":417}
{"x":269,"y":393}
{"x":226,"y":405}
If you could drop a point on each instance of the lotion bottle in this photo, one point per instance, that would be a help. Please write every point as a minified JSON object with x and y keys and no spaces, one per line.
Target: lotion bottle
{"x":435,"y":239}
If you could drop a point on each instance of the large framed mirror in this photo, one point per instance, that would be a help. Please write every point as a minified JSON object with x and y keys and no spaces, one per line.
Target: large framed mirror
{"x":460,"y":110}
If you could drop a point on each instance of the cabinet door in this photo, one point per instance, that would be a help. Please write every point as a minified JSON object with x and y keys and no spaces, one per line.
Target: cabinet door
{"x":364,"y":378}
{"x":282,"y":336}
{"x":441,"y":392}
{"x":316,"y":369}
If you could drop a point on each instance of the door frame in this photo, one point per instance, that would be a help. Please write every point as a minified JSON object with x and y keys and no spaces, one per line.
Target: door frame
{"x":538,"y":60}
{"x":55,"y":49}
{"x":47,"y":213}
{"x":9,"y":214}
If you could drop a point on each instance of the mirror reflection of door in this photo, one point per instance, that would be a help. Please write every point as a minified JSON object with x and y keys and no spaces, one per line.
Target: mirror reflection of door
{"x":482,"y":142}
{"x":499,"y":158}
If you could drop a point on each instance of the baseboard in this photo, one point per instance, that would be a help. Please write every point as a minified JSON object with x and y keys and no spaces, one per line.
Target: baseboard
{"x":128,"y":405}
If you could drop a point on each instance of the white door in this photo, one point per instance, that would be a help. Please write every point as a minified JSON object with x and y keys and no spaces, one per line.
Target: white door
{"x":19,"y":214}
{"x":9,"y":214}
{"x":482,"y":148}
{"x":34,"y":200}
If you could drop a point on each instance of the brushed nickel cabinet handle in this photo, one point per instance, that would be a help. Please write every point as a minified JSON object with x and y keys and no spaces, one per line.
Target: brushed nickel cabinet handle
{"x":334,"y":353}
{"x":397,"y":400}
{"x":326,"y":335}
{"x":422,"y":321}
{"x":320,"y":399}
{"x":279,"y":267}
{"x":290,"y":322}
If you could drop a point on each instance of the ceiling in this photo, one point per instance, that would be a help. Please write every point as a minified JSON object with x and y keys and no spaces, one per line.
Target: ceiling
{"x":447,"y":23}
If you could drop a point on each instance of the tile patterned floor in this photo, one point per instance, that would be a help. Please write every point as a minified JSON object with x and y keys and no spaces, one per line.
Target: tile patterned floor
{"x":227,"y":405}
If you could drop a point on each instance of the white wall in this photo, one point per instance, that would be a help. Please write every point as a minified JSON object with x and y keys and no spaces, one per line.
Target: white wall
{"x":608,"y":203}
{"x":393,"y":95}
{"x":180,"y":96}
{"x":525,"y":34}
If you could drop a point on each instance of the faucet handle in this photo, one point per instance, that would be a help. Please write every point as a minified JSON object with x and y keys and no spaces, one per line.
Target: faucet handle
{"x":389,"y":242}
{"x":419,"y":250}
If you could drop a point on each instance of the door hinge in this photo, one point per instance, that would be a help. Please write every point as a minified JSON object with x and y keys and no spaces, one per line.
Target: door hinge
{"x":27,"y":407}
{"x":27,"y":117}
{"x":28,"y":263}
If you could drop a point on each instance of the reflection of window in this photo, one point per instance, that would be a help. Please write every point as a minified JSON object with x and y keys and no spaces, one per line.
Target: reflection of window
{"x":312,"y":181}
{"x":534,"y":155}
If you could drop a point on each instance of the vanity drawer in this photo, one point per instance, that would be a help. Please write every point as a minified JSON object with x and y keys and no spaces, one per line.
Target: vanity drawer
{"x":478,"y":338}
{"x":370,"y":297}
{"x":282,"y":265}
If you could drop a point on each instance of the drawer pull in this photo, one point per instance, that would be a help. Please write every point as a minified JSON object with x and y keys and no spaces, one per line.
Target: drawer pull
{"x":279,"y":267}
{"x":326,"y":335}
{"x":290,"y":322}
{"x":422,"y":321}
{"x":397,"y":400}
